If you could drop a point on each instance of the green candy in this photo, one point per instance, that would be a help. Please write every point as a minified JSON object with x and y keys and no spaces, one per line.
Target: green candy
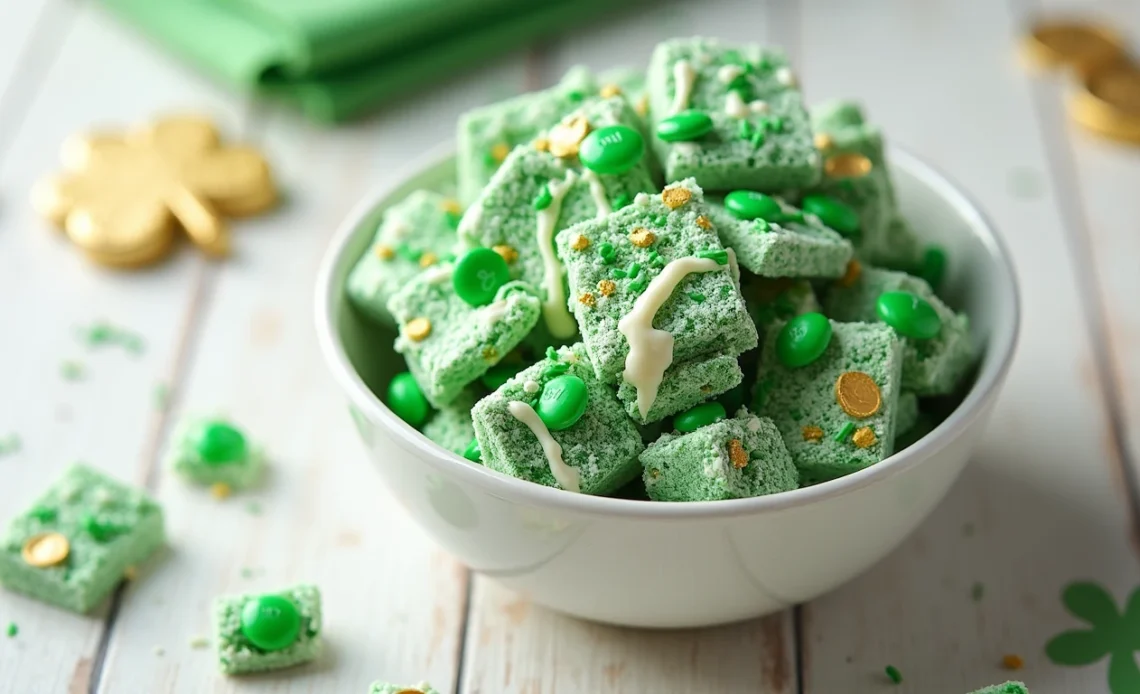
{"x":270,"y":622}
{"x":836,"y":214}
{"x":478,"y":276}
{"x":698,"y":416}
{"x":499,"y":374}
{"x":407,"y":400}
{"x":614,"y":149}
{"x":933,"y":267}
{"x":543,"y":199}
{"x":749,"y":205}
{"x":803,"y":339}
{"x":909,"y":315}
{"x":218,"y":442}
{"x":100,"y":531}
{"x":685,"y":126}
{"x":473,"y":452}
{"x":563,"y":402}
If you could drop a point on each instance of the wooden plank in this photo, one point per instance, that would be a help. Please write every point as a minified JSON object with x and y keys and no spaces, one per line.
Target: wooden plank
{"x":1042,"y":506}
{"x":50,"y":291}
{"x":394,"y":604}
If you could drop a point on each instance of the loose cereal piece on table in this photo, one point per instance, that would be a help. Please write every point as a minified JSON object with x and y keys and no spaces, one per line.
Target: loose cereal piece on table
{"x":591,"y":162}
{"x":729,"y":116}
{"x":451,"y":425}
{"x":386,"y":688}
{"x":712,"y":458}
{"x":657,"y":297}
{"x":213,"y":451}
{"x":831,"y":388}
{"x":413,"y":234}
{"x":488,"y":133}
{"x":458,"y":320}
{"x":268,"y":631}
{"x":556,"y":424}
{"x":74,"y":545}
{"x":1007,"y":688}
{"x":937,"y":350}
{"x":774,"y":239}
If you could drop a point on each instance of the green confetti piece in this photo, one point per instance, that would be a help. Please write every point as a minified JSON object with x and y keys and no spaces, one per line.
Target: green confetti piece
{"x":720,"y":256}
{"x":103,"y":333}
{"x":638,"y":286}
{"x":758,"y":139}
{"x":543,"y":199}
{"x":551,"y":353}
{"x":619,"y":273}
{"x":634,"y":270}
{"x":893,"y":673}
{"x":555,"y":370}
{"x":408,"y":253}
{"x":12,"y":630}
{"x":845,"y":432}
{"x":745,"y":130}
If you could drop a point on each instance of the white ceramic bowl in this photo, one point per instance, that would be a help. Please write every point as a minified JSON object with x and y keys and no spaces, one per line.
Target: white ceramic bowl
{"x":650,"y":564}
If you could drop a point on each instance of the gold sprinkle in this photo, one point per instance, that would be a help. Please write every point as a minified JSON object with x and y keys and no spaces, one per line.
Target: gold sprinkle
{"x":500,"y":151}
{"x":706,"y":389}
{"x":606,"y":287}
{"x":587,"y":299}
{"x":451,"y":206}
{"x":579,"y":242}
{"x":418,"y":329}
{"x":385,"y":252}
{"x":565,"y":137}
{"x":428,"y":259}
{"x":858,"y":394}
{"x":642,"y":106}
{"x":508,"y":253}
{"x":220,"y":490}
{"x":45,"y":549}
{"x":737,"y":454}
{"x":541,"y":144}
{"x":823,"y":141}
{"x":675,"y":197}
{"x":1012,"y":662}
{"x":850,"y":165}
{"x":490,"y":353}
{"x":130,"y":573}
{"x":851,"y":276}
{"x":864,"y":437}
{"x":704,"y":222}
{"x":642,"y":237}
{"x":812,"y":433}
{"x":654,"y":473}
{"x":609,"y":90}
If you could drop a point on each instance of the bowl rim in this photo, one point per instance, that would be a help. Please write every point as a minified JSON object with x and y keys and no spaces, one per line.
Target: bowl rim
{"x":999,"y":355}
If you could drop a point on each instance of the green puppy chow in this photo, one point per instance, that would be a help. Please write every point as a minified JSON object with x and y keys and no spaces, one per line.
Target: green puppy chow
{"x":268,"y":631}
{"x":451,"y":425}
{"x":832,"y":389}
{"x":1007,"y":688}
{"x":539,"y":192}
{"x":934,"y":363}
{"x":386,"y":688}
{"x":213,"y":451}
{"x":729,"y":116}
{"x":76,"y":542}
{"x":774,"y":239}
{"x":556,"y":424}
{"x":487,"y":134}
{"x":415,"y":233}
{"x":727,"y":459}
{"x":653,"y":290}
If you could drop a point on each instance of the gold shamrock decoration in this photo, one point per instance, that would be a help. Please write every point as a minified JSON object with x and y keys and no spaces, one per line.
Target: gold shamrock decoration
{"x":121,"y":194}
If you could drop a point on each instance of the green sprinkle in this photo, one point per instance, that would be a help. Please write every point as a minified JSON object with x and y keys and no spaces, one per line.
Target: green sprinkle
{"x":606,"y":250}
{"x":843,"y":433}
{"x":720,"y":256}
{"x":697,"y":297}
{"x":725,"y":290}
{"x":758,"y":139}
{"x":103,"y":333}
{"x":660,"y":220}
{"x":745,"y":129}
{"x":551,"y":353}
{"x":893,"y":673}
{"x":638,"y":286}
{"x":743,"y":86}
{"x":622,"y":200}
{"x":13,"y":630}
{"x":977,"y":591}
{"x":10,"y":444}
{"x":44,"y":514}
{"x":634,"y":270}
{"x":490,"y":161}
{"x":761,"y":226}
{"x":407,"y":252}
{"x":620,"y":274}
{"x":543,"y":199}
{"x":575,"y":95}
{"x":657,"y":262}
{"x":71,"y":370}
{"x":775,"y":124}
{"x":555,"y":370}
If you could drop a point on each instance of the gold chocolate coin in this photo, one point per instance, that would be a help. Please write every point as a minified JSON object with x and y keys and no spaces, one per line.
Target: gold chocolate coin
{"x":1076,"y":44}
{"x":1108,"y":103}
{"x":858,"y":394}
{"x":850,"y":165}
{"x":45,"y":549}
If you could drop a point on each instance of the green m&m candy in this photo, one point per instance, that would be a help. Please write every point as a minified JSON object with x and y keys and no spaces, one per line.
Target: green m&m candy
{"x":218,"y":442}
{"x":563,"y":402}
{"x":685,"y":126}
{"x":834,"y":213}
{"x":473,"y":452}
{"x":803,"y":339}
{"x":270,"y":622}
{"x":749,"y":205}
{"x":698,"y":416}
{"x":478,"y":276}
{"x":933,"y":267}
{"x":407,"y":400}
{"x":614,"y":149}
{"x":909,"y":315}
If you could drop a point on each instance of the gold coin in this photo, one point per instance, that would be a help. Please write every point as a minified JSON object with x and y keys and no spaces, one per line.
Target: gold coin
{"x":850,"y":165}
{"x":858,"y":394}
{"x":1109,"y":103}
{"x":1075,"y":44}
{"x":45,"y":549}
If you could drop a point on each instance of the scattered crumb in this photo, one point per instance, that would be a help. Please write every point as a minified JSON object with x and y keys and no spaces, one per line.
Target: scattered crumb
{"x":1024,"y":182}
{"x":254,"y":508}
{"x":72,"y":370}
{"x":967,"y":529}
{"x":893,"y":673}
{"x":160,"y":396}
{"x":1012,"y":662}
{"x":977,"y":591}
{"x":12,"y":630}
{"x":10,"y":444}
{"x":159,"y":651}
{"x":102,"y":333}
{"x":199,"y":642}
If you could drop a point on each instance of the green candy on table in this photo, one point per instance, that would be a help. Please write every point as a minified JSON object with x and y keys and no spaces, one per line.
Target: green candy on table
{"x":218,"y":442}
{"x":613,"y":149}
{"x":270,"y":622}
{"x":212,"y":451}
{"x":407,"y":400}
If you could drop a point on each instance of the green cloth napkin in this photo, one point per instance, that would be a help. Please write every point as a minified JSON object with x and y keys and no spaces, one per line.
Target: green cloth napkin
{"x":338,"y":58}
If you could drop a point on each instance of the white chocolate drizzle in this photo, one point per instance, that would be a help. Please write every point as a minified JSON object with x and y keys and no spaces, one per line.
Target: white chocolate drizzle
{"x":734,"y":105}
{"x":554,"y":311}
{"x":493,"y":313}
{"x":531,"y":387}
{"x":683,"y":77}
{"x":598,"y":192}
{"x":438,"y":273}
{"x":471,"y":219}
{"x":650,"y":349}
{"x":565,"y":475}
{"x":727,"y":73}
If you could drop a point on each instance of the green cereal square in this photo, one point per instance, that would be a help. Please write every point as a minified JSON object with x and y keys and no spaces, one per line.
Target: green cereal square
{"x":1007,"y":688}
{"x":613,"y":261}
{"x":930,"y":367}
{"x":601,"y":448}
{"x":684,"y":385}
{"x":821,"y":437}
{"x":486,"y":134}
{"x":387,"y":688}
{"x":536,"y":194}
{"x":448,"y":343}
{"x":761,"y":136}
{"x":108,"y":526}
{"x":450,"y":426}
{"x":186,"y":460}
{"x":415,"y":233}
{"x":237,"y":655}
{"x":730,"y":459}
{"x":801,"y":246}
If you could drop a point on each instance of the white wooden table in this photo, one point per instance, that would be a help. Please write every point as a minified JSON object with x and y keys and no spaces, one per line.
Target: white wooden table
{"x":1052,"y":496}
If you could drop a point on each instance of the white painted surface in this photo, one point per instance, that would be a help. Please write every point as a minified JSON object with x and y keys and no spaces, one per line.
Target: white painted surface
{"x":1044,"y":499}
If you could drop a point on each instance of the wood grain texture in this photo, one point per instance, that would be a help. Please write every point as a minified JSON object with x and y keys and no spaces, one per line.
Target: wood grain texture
{"x":1042,"y":505}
